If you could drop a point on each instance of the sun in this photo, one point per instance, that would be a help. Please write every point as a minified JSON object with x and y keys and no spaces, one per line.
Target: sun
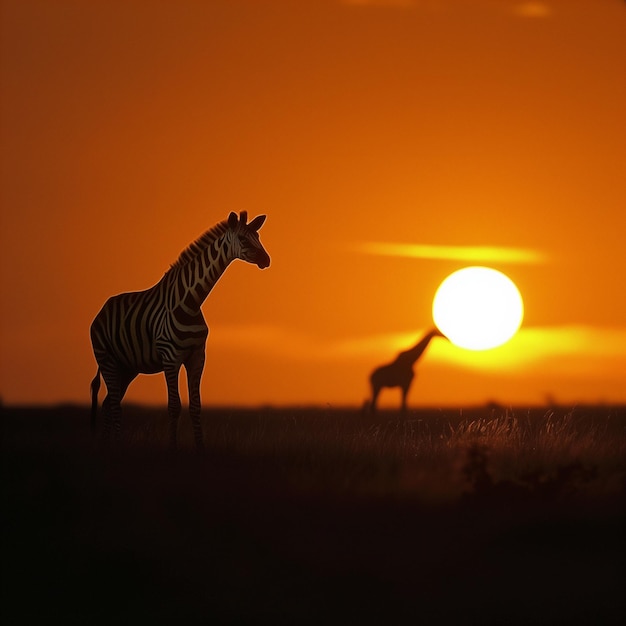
{"x":478,"y":308}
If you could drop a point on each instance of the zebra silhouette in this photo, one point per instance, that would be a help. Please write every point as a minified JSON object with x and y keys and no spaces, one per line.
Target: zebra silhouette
{"x":399,"y":373}
{"x":162,"y":328}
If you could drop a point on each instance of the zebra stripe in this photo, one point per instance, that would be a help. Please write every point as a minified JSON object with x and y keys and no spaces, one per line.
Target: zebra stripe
{"x":162,"y":328}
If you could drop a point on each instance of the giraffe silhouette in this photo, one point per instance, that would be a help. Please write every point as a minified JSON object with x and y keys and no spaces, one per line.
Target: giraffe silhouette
{"x":399,"y":373}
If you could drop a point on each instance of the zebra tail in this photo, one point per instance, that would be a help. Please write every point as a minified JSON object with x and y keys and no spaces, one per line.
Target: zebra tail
{"x":95,"y":387}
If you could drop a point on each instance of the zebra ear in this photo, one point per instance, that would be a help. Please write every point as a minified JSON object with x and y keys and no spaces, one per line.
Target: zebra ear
{"x":257,"y":222}
{"x":244,"y":218}
{"x":232,"y":221}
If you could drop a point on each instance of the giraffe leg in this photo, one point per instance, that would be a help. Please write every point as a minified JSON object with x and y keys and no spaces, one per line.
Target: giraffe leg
{"x":173,"y":401}
{"x":405,"y":391}
{"x":194,"y":367}
{"x":375,"y":392}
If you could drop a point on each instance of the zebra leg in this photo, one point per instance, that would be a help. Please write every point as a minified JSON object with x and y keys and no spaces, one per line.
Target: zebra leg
{"x":95,"y":387}
{"x":112,"y":403}
{"x":117,"y":384}
{"x":106,"y":411}
{"x":194,"y":367}
{"x":173,"y":401}
{"x":112,"y":406}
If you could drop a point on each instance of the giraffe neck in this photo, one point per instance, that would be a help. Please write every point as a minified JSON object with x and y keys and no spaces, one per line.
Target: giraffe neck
{"x":417,"y":350}
{"x":199,"y":268}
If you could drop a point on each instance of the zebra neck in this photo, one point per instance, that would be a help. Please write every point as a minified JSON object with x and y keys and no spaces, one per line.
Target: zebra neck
{"x":198,"y":277}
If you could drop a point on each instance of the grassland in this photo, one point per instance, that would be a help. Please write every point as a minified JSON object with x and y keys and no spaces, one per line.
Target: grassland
{"x":317,"y":516}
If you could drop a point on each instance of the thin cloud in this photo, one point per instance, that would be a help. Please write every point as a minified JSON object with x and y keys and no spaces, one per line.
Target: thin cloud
{"x":568,"y":350}
{"x":281,"y":343}
{"x":526,"y":348}
{"x":379,"y":3}
{"x":571,"y":350}
{"x":474,"y":254}
{"x":291,"y":345}
{"x":576,"y":352}
{"x":532,"y":9}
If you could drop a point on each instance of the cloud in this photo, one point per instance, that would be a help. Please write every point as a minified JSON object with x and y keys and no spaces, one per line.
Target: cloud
{"x":567,"y":344}
{"x":379,"y":3}
{"x":291,"y":345}
{"x":473,"y":254}
{"x":532,"y":9}
{"x":380,"y":346}
{"x":569,"y":350}
{"x":256,"y":338}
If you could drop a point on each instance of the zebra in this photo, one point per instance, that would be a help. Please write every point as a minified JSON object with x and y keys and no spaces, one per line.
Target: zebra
{"x":162,"y":328}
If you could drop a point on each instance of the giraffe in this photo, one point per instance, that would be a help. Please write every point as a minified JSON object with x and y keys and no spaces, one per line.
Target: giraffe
{"x":399,"y":373}
{"x":162,"y":328}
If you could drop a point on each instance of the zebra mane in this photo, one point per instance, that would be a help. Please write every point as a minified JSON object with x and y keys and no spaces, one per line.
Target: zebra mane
{"x":193,"y":250}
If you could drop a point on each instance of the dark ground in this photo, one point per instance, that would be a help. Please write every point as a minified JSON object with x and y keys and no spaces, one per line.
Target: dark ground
{"x":304,"y":517}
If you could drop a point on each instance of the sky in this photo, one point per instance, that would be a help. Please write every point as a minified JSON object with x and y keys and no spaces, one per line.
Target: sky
{"x":389,"y":142}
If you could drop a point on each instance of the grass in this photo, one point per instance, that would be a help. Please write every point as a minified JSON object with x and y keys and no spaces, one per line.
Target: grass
{"x":342,"y":449}
{"x":308,"y":516}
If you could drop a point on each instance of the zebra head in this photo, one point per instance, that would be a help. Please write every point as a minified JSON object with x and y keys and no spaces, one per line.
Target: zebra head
{"x":245,"y":242}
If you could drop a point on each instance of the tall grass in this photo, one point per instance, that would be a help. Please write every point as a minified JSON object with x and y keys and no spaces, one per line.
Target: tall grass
{"x":433,"y":454}
{"x":427,"y":453}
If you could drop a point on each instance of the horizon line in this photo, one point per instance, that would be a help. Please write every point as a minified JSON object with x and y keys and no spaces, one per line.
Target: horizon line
{"x":488,"y":403}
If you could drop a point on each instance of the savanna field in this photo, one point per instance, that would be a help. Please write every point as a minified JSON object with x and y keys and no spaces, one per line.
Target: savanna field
{"x":317,"y":516}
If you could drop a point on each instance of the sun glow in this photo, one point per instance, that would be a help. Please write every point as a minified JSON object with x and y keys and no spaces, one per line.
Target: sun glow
{"x":478,"y":308}
{"x":468,"y":254}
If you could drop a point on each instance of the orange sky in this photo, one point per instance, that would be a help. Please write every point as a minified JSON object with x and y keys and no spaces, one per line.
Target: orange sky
{"x":130,"y":127}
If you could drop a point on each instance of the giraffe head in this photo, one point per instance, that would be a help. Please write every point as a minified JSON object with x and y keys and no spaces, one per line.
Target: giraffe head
{"x":246,"y":244}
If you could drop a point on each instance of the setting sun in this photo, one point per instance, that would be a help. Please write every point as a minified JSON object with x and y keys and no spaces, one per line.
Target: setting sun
{"x":478,"y":308}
